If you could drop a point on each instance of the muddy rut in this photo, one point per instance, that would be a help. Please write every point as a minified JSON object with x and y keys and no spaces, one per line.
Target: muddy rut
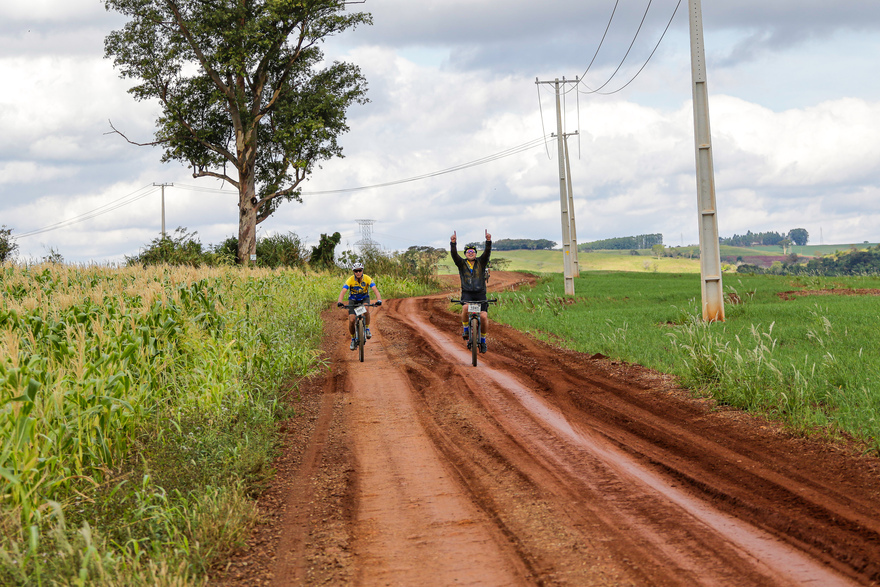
{"x":542,"y":467}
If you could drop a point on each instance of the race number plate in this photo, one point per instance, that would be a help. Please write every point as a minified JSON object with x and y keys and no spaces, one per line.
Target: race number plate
{"x":360,"y":310}
{"x":474,"y":308}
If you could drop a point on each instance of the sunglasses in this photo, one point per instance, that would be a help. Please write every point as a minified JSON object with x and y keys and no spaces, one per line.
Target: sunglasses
{"x":358,"y":270}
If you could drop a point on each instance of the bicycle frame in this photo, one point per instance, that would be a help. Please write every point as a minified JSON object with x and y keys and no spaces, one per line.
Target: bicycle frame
{"x":474,"y":325}
{"x":360,"y":311}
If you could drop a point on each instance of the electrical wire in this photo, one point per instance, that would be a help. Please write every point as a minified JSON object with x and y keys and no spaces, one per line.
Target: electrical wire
{"x":135,"y":196}
{"x":488,"y":159}
{"x":602,"y":41}
{"x":653,"y":51}
{"x":541,"y":109}
{"x":645,"y":64}
{"x":625,"y":55}
{"x":109,"y":207}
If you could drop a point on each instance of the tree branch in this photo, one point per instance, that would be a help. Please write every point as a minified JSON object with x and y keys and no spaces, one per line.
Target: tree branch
{"x":117,"y":132}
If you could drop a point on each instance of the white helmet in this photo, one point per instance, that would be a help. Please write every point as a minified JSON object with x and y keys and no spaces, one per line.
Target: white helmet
{"x":357,"y":266}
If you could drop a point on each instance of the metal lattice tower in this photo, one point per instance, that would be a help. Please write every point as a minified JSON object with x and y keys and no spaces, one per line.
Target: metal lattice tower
{"x":366,"y":241}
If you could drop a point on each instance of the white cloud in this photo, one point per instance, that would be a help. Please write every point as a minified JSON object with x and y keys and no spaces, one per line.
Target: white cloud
{"x":796,"y":140}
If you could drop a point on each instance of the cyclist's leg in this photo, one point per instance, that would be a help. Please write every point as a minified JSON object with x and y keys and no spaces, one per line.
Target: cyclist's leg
{"x":351,"y":318}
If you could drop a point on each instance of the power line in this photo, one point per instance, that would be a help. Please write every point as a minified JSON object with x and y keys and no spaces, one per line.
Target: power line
{"x":109,"y":207}
{"x":134,"y":197}
{"x":482,"y":161}
{"x":660,"y":40}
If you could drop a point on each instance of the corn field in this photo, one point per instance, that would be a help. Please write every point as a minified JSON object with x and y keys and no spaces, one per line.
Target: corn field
{"x":93,"y":358}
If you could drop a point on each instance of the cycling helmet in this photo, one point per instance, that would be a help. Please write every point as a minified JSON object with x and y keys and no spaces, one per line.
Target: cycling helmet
{"x":357,"y":266}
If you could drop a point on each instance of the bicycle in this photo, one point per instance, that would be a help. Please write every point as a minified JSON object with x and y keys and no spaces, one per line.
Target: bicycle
{"x":360,"y":324}
{"x":474,"y":325}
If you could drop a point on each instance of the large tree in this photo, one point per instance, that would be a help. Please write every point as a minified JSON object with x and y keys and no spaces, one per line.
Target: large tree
{"x":799,"y":236}
{"x":244,"y":94}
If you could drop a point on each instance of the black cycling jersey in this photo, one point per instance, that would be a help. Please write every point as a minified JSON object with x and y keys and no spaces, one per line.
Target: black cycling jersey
{"x":473,"y":277}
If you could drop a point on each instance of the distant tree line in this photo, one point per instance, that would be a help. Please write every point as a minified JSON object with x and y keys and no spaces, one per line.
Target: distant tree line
{"x":642,"y":241}
{"x":798,"y":236}
{"x":849,"y":262}
{"x":514,"y":244}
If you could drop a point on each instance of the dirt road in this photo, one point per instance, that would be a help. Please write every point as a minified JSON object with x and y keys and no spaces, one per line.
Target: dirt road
{"x":543,"y":467}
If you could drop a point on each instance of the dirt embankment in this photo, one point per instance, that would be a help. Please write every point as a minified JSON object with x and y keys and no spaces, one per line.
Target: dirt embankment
{"x":545,"y":467}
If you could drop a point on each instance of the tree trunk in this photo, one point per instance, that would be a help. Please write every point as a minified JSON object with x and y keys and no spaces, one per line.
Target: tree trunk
{"x":247,"y":197}
{"x":247,"y":220}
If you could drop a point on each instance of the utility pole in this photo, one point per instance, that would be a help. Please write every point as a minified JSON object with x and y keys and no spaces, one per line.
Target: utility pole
{"x":575,"y":264}
{"x":563,"y":190}
{"x":163,"y":186}
{"x":710,"y":251}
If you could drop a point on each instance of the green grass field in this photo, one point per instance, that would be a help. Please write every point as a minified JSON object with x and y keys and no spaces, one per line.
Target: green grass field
{"x":551,"y":262}
{"x":623,"y":260}
{"x":809,"y":361}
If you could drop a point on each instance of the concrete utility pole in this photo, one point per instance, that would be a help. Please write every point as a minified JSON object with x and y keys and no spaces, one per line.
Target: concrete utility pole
{"x":710,"y":251}
{"x":163,"y":186}
{"x":563,"y":191}
{"x":575,"y":264}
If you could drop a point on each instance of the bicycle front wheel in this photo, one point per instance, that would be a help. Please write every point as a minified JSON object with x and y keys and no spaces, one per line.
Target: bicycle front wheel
{"x":361,"y":339}
{"x":475,"y":339}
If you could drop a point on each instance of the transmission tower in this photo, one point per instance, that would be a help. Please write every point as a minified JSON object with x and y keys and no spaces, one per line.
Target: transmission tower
{"x":366,"y":241}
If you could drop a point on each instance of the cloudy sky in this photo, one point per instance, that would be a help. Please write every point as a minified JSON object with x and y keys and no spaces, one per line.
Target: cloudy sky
{"x":794,"y":105}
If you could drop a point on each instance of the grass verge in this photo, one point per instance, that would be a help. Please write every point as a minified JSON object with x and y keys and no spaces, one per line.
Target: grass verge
{"x":806,"y":359}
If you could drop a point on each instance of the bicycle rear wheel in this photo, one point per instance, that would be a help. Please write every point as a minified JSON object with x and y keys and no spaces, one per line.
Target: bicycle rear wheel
{"x":361,"y":338}
{"x":475,"y":339}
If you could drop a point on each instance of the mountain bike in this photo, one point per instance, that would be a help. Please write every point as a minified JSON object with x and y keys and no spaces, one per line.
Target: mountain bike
{"x":474,"y":325}
{"x":360,"y":324}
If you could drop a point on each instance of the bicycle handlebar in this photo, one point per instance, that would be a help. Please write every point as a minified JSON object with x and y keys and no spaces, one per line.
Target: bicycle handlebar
{"x":461,"y":303}
{"x":347,"y":306}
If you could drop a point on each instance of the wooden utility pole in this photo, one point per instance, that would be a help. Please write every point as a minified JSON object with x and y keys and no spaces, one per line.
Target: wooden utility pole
{"x":710,"y":251}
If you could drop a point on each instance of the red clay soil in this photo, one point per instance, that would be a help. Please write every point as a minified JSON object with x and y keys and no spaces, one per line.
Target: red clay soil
{"x":542,"y":467}
{"x":790,"y":295}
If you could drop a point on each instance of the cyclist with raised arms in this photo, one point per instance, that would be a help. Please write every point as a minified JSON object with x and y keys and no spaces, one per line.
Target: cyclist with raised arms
{"x":358,"y":287}
{"x":472,"y":271}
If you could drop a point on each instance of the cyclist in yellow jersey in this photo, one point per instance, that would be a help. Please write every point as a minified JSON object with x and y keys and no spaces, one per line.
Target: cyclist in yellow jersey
{"x":358,"y":287}
{"x":472,"y":271}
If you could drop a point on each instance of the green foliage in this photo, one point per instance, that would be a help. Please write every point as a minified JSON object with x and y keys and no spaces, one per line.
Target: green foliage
{"x":8,"y":246}
{"x":848,"y":262}
{"x":642,"y":241}
{"x":414,"y":270}
{"x":805,"y":360}
{"x":242,"y":86}
{"x":182,"y":248}
{"x":513,"y":244}
{"x":323,"y":254}
{"x":278,"y":250}
{"x":799,"y":236}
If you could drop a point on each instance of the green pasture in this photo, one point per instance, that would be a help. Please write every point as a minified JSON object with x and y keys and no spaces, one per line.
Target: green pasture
{"x":551,"y":262}
{"x":809,"y":361}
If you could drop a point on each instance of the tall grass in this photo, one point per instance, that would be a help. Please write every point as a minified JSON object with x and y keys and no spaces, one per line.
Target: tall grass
{"x":809,"y":361}
{"x":137,"y":408}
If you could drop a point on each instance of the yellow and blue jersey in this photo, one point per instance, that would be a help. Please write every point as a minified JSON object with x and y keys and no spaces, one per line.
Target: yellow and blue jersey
{"x":359,"y":291}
